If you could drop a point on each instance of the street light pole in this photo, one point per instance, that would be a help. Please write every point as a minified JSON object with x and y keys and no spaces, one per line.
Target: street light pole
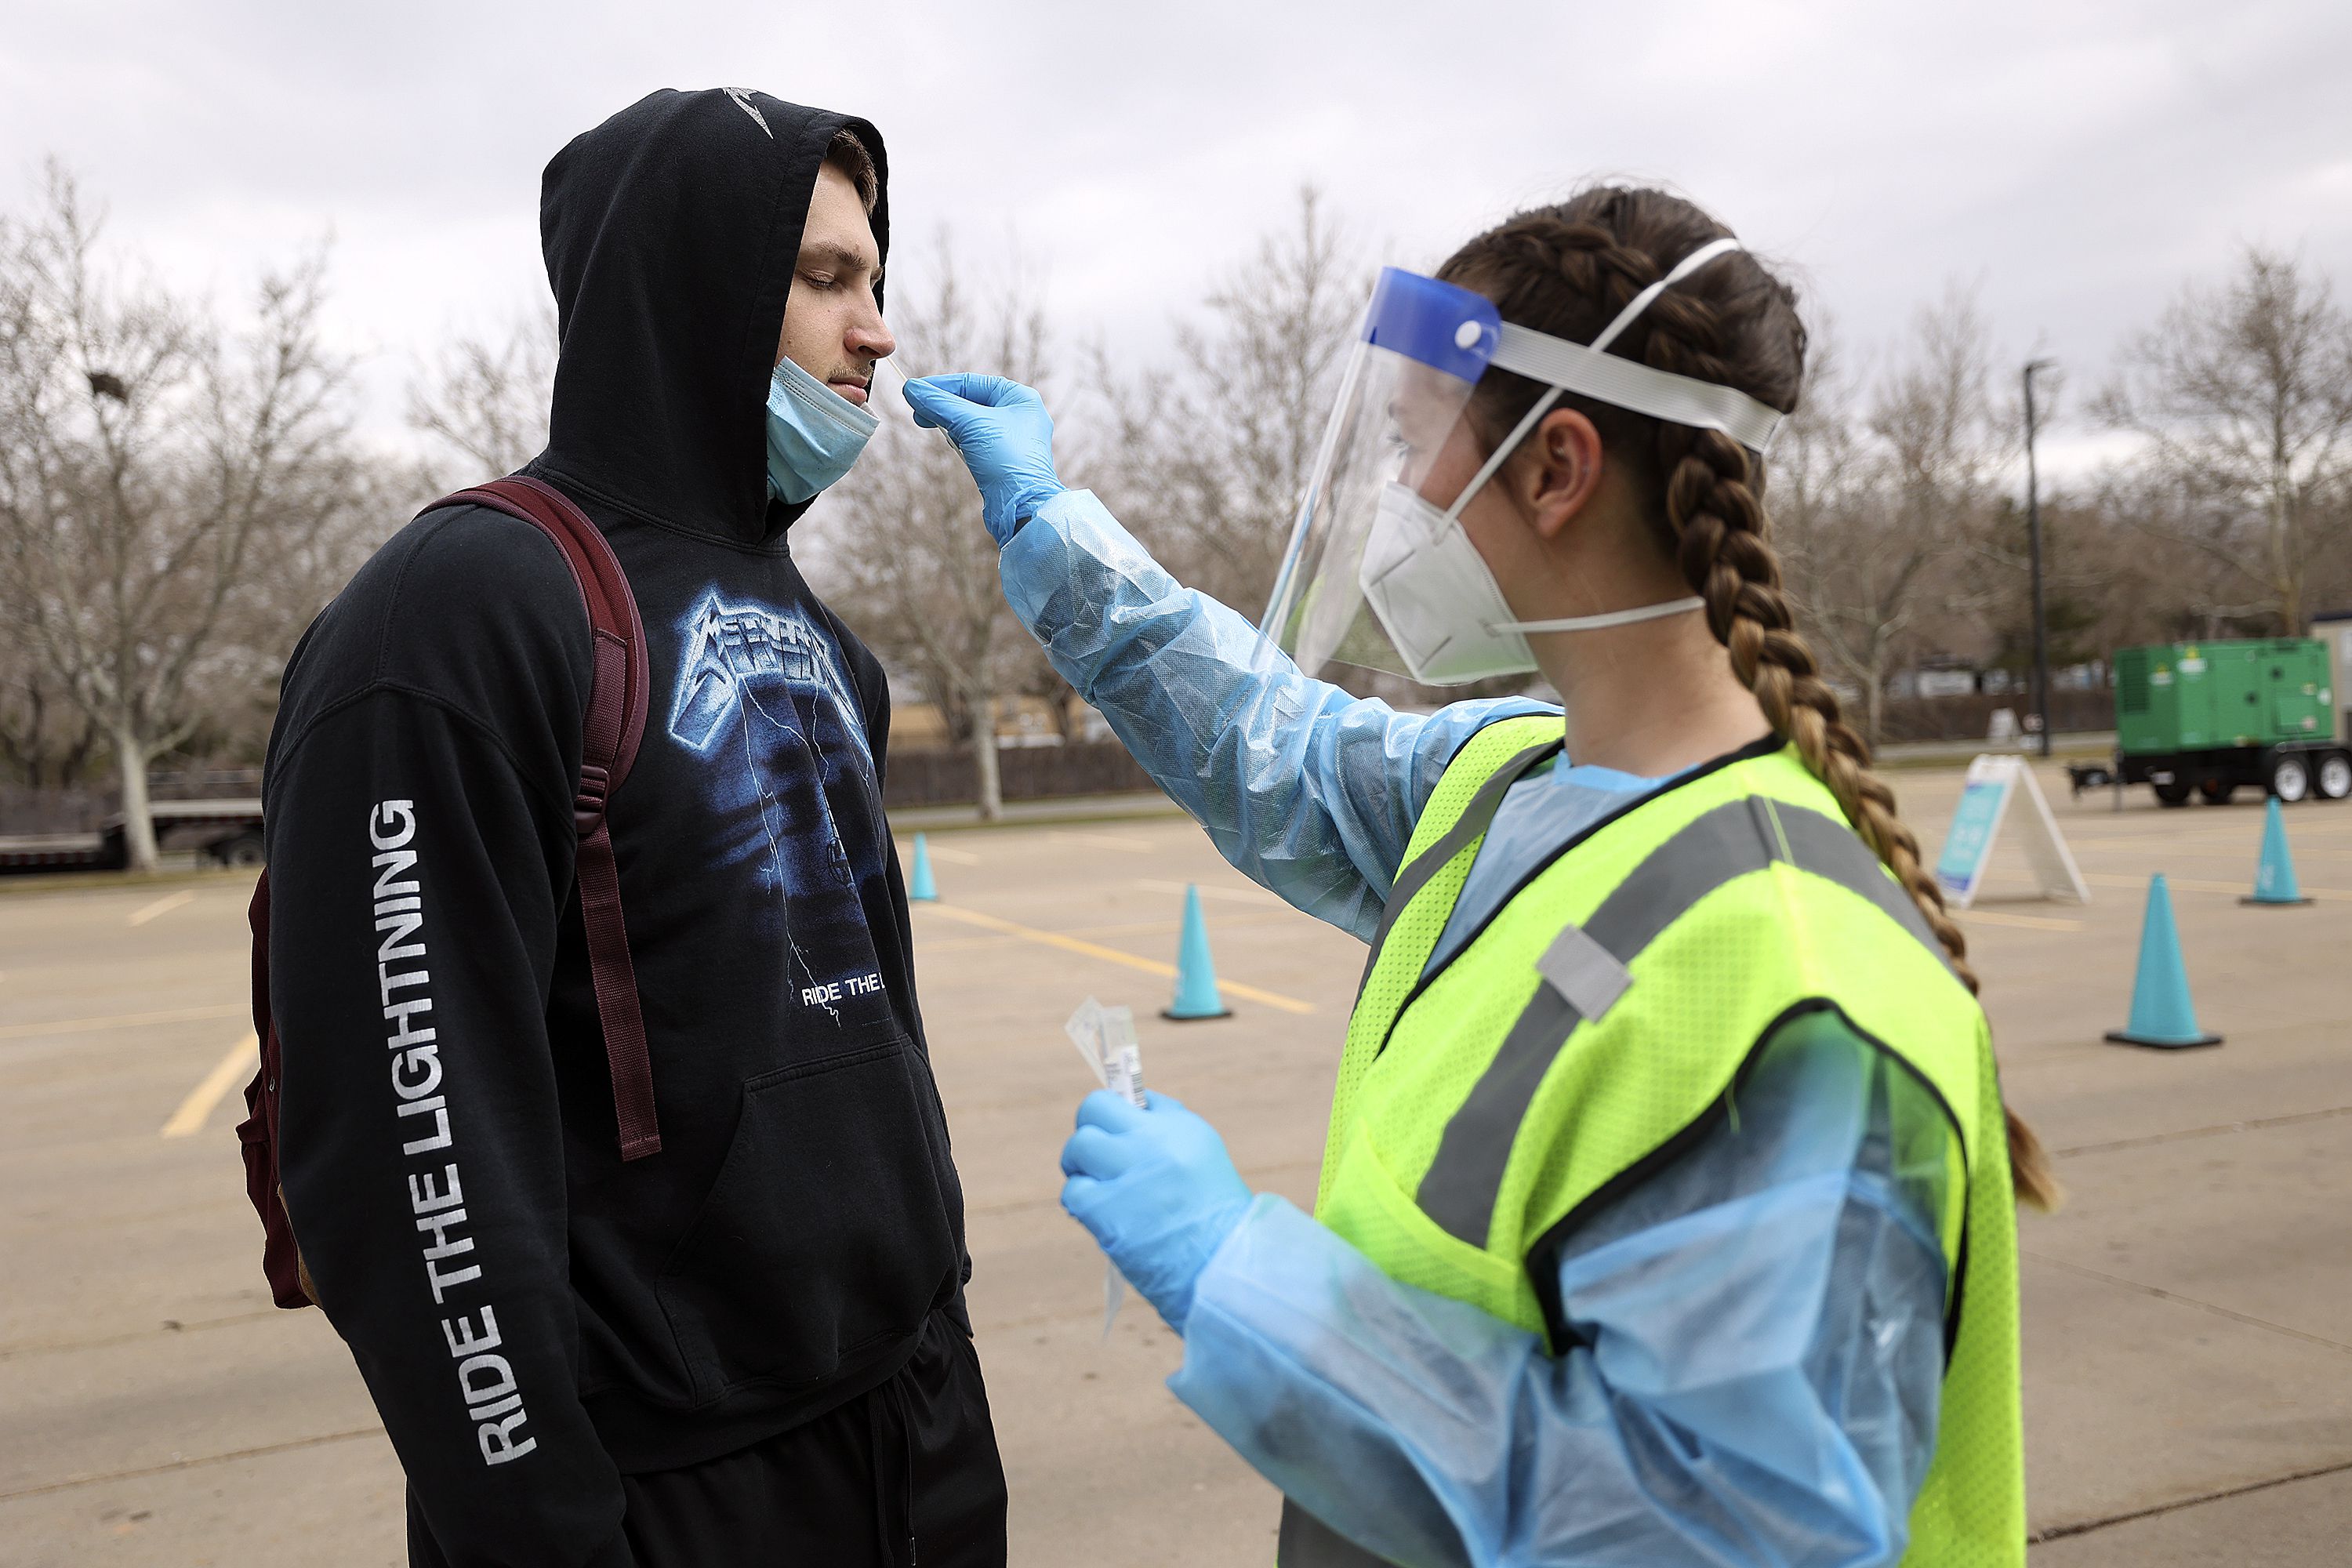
{"x":2034,"y":541}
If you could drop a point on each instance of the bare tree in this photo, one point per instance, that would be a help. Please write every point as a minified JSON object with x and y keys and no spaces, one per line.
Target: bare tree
{"x":1059,"y":697}
{"x":154,"y":472}
{"x":2115,"y":581}
{"x":908,"y":555}
{"x":486,"y":401}
{"x":1210,"y":462}
{"x":1205,"y":462}
{"x":1870,"y":502}
{"x":2244,"y":393}
{"x":45,"y":742}
{"x":1821,"y":502}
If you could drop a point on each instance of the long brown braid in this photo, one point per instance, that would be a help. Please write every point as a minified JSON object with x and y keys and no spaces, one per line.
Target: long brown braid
{"x":1567,"y":270}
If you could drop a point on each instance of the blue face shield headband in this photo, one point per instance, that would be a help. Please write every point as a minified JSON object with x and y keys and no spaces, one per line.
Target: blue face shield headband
{"x":815,"y":434}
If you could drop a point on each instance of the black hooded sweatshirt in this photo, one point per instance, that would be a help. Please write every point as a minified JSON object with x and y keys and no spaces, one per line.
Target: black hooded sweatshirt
{"x":533,"y":1316}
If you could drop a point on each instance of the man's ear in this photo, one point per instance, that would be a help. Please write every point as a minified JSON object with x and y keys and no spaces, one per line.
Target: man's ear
{"x":1562,"y":471}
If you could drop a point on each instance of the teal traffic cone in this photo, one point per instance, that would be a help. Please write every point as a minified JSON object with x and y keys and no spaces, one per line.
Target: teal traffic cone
{"x":2275,"y":877}
{"x":2161,"y":1013}
{"x":1196,"y":973}
{"x":923,"y":890}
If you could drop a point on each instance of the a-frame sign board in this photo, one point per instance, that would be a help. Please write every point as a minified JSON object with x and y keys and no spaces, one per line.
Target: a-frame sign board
{"x":1976,"y":824}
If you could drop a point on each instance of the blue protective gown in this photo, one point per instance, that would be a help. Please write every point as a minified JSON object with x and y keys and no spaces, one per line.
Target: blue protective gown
{"x":1757,"y":1327}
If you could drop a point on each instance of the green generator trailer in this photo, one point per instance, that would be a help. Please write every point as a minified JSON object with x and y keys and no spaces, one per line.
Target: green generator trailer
{"x":2211,"y":718}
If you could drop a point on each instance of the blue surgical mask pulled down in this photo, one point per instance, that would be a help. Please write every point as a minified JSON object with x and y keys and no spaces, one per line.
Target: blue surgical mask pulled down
{"x":815,"y":434}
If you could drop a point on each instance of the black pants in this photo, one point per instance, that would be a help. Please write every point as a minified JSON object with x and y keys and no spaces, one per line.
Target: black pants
{"x":902,"y":1475}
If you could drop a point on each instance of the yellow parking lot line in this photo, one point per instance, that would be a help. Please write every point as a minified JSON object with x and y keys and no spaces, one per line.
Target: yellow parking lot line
{"x":2023,"y":923}
{"x":1108,"y":954}
{"x":189,"y":1120}
{"x":2245,"y":834}
{"x":163,"y":906}
{"x":1124,"y":928}
{"x":121,"y":1021}
{"x":1210,"y":890}
{"x":2241,"y":852}
{"x":1105,"y":841}
{"x":189,"y":1462}
{"x":939,"y":851}
{"x":2194,"y":885}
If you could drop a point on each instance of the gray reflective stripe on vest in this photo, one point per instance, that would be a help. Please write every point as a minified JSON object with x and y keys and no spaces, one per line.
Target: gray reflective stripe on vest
{"x":1308,"y":1542}
{"x":1586,"y":974}
{"x":1724,"y":844}
{"x":1828,"y":848}
{"x":1475,"y":820}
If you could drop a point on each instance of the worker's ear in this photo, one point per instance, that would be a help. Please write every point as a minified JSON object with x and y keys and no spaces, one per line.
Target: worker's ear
{"x":1558,"y":474}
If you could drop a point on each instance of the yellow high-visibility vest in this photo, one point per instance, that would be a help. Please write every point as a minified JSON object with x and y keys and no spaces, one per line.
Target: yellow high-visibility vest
{"x":1603,"y":1014}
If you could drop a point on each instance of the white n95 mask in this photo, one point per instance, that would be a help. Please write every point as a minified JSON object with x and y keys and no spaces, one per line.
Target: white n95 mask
{"x":1440,"y":604}
{"x":1434,"y":596}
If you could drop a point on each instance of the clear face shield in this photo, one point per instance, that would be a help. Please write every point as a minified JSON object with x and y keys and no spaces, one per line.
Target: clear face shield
{"x":1398,"y":421}
{"x":1379,"y":575}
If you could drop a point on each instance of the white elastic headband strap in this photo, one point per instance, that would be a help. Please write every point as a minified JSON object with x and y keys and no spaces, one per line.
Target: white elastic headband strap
{"x":1603,"y":622}
{"x":1623,"y":383}
{"x":1641,"y":302}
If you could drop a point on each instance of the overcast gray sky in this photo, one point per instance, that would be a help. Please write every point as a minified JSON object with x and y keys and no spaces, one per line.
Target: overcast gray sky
{"x":2075,"y":161}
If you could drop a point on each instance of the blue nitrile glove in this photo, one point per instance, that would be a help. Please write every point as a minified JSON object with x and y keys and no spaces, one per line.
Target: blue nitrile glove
{"x":1006,"y":435}
{"x":1158,"y":1190}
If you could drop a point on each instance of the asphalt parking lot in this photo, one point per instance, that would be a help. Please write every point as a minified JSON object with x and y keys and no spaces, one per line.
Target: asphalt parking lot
{"x":2188,"y":1316}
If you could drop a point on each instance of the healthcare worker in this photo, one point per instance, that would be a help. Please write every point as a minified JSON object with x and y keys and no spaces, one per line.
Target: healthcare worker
{"x":1666,"y":1213}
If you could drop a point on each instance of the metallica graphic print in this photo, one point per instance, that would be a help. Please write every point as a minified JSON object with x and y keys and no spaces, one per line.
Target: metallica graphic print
{"x":764,"y":700}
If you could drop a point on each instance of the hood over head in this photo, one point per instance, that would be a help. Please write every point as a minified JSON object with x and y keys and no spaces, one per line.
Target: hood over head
{"x":671,"y":233}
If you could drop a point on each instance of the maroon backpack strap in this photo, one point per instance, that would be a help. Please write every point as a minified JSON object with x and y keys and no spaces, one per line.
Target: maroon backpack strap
{"x":256,"y":1135}
{"x":615,"y":722}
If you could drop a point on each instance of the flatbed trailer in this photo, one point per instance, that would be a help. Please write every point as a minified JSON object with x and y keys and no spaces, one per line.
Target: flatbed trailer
{"x":224,"y":832}
{"x":24,"y":853}
{"x":2291,"y":769}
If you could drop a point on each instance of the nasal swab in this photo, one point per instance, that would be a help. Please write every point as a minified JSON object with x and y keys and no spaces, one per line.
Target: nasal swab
{"x":896,"y":387}
{"x":897,"y":371}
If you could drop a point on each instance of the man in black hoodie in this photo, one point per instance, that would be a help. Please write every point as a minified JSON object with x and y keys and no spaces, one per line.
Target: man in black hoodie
{"x":751,"y":1346}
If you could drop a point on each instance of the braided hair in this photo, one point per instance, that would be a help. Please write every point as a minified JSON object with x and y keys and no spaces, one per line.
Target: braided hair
{"x":1567,"y":270}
